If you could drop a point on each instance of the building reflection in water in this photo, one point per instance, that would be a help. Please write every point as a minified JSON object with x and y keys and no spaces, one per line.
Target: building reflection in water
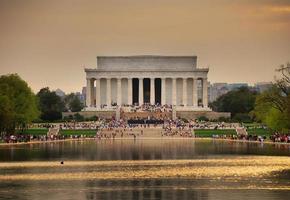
{"x":127,"y":186}
{"x":142,"y":189}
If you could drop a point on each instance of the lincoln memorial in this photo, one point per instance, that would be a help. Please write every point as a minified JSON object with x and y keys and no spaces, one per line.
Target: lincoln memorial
{"x":128,"y":80}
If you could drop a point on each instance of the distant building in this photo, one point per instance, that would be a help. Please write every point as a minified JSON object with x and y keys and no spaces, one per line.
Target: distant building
{"x":218,"y":89}
{"x":60,"y":93}
{"x":84,"y":89}
{"x":234,"y":86}
{"x":263,"y":86}
{"x":81,"y":97}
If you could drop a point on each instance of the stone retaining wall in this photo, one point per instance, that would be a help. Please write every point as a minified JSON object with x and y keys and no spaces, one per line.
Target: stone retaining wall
{"x":88,"y":114}
{"x":181,"y":114}
{"x":208,"y":114}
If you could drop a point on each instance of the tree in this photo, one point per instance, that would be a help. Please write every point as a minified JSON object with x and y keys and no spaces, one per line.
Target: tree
{"x":18,"y":104}
{"x":78,"y":117}
{"x":203,"y":118}
{"x":6,"y":114}
{"x":273,"y":106}
{"x":73,"y":103}
{"x":50,"y":105}
{"x":237,"y":101}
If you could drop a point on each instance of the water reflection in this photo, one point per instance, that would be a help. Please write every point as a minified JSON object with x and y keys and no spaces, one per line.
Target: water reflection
{"x":145,"y":169}
{"x":131,"y":189}
{"x":137,"y":150}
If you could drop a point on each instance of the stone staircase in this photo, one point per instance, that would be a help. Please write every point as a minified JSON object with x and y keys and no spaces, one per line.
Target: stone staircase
{"x":174,"y":113}
{"x":139,"y":132}
{"x":118,"y":113}
{"x":146,"y":114}
{"x":241,"y":131}
{"x":52,"y":131}
{"x":156,"y":132}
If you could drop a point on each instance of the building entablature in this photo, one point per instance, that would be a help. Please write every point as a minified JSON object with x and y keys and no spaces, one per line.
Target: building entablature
{"x":191,"y":74}
{"x":146,"y":63}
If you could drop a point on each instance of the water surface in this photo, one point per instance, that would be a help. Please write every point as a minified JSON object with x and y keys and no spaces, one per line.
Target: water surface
{"x":145,"y":169}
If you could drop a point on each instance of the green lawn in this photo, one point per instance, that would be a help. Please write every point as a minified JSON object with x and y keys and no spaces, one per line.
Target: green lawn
{"x":43,"y":131}
{"x":254,"y":124}
{"x":78,"y":132}
{"x":251,"y":128}
{"x":209,"y":133}
{"x":34,"y":131}
{"x":199,"y":133}
{"x":259,"y":131}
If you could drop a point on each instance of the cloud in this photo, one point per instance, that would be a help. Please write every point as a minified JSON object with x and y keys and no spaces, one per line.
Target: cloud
{"x":279,"y":14}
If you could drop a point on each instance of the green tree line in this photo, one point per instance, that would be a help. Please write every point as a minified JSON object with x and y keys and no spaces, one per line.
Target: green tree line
{"x":271,"y":107}
{"x":239,"y":103}
{"x":51,"y":105}
{"x":19,"y":106}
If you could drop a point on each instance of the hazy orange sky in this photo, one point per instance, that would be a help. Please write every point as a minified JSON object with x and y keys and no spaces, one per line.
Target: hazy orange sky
{"x":48,"y":42}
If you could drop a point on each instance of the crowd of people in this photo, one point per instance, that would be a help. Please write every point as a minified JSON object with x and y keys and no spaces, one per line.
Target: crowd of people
{"x":78,"y":125}
{"x":278,"y":137}
{"x":258,"y":138}
{"x":111,"y":133}
{"x":146,"y":112}
{"x":18,"y":138}
{"x":177,"y":128}
{"x":136,"y":126}
{"x":147,"y":107}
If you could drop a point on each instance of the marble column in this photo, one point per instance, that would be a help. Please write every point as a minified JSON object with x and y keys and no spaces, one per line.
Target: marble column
{"x":174,"y":91}
{"x":119,"y":92}
{"x":204,"y":93}
{"x":98,"y":93}
{"x":184,"y":92}
{"x":152,"y":91}
{"x":88,"y":93}
{"x":130,"y":92}
{"x":109,"y":99}
{"x":163,"y":91}
{"x":194,"y":93}
{"x":141,"y":99}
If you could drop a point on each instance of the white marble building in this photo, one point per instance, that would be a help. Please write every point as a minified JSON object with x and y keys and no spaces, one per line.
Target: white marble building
{"x":126,"y":80}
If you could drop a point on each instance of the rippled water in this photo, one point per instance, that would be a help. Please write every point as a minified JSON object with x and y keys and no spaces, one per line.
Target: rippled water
{"x":145,"y":169}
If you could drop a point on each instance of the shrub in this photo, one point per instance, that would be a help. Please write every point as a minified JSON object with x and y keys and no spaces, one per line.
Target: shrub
{"x":78,"y":117}
{"x":242,"y":117}
{"x":203,"y":118}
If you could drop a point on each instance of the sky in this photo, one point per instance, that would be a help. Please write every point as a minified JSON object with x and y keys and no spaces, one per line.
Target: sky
{"x":49,"y":42}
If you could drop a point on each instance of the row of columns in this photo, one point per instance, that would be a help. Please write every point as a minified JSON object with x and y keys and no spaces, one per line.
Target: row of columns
{"x":89,"y":92}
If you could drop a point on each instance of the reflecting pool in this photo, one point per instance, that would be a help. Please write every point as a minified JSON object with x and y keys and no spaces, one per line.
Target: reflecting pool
{"x":145,"y":169}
